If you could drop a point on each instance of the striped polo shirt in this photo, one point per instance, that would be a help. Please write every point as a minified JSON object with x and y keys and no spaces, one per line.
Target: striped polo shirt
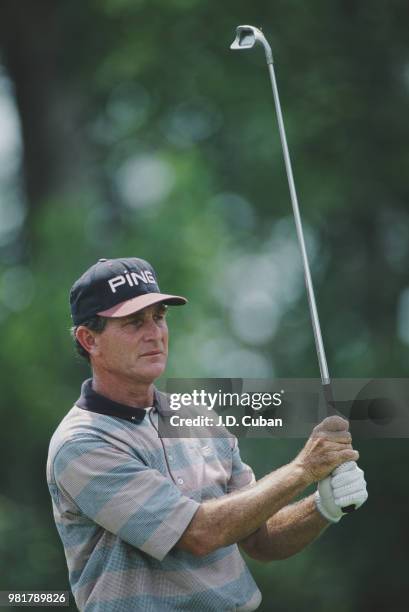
{"x":123,"y":496}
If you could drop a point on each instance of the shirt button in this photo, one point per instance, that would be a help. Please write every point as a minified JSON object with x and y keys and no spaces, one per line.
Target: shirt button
{"x":180,"y":481}
{"x":170,"y":457}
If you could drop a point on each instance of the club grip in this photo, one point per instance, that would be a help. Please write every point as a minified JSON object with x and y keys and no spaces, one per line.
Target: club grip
{"x":329,"y":398}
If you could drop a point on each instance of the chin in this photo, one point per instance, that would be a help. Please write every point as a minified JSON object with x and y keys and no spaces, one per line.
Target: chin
{"x":152,"y":372}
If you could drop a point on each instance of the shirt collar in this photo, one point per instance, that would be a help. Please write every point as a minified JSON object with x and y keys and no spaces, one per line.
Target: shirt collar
{"x":94,"y":402}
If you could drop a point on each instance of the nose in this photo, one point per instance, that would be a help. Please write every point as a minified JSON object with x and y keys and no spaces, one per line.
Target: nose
{"x":151,"y":330}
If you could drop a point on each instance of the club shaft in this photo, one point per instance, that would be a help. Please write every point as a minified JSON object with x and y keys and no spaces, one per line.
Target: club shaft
{"x":322,"y":360}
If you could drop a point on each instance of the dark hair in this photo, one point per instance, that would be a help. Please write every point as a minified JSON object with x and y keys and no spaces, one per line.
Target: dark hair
{"x":96,"y":324}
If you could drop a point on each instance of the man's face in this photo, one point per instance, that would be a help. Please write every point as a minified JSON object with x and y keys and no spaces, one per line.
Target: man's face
{"x":134,"y":347}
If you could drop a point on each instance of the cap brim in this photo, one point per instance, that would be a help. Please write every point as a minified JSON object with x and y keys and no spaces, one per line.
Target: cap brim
{"x":135,"y":304}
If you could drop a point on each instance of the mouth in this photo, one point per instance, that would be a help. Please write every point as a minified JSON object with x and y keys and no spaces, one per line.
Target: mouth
{"x":151,"y":353}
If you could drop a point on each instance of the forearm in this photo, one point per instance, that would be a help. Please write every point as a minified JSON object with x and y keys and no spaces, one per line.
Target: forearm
{"x":287,"y":532}
{"x":235,"y":516}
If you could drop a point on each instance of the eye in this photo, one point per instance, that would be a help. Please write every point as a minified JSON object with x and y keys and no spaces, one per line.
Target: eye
{"x":135,"y":322}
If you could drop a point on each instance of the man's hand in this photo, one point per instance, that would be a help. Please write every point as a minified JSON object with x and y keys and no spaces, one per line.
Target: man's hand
{"x":346,"y":486}
{"x":328,"y":447}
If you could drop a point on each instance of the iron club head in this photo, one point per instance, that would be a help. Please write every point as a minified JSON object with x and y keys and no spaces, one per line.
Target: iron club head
{"x":247,"y":37}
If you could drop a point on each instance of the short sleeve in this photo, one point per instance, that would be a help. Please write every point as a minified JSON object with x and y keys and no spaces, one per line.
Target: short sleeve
{"x":120,"y":493}
{"x":241,"y":474}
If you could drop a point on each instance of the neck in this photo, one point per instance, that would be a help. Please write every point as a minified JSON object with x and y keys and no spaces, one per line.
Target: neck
{"x":137,"y":394}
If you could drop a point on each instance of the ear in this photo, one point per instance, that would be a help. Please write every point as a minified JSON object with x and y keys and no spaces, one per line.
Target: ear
{"x":87,"y":338}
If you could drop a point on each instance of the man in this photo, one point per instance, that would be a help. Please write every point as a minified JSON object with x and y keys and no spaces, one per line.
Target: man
{"x":154,"y":524}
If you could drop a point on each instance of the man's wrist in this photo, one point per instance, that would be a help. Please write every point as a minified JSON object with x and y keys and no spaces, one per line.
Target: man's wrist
{"x":303,"y":476}
{"x":331,"y":518}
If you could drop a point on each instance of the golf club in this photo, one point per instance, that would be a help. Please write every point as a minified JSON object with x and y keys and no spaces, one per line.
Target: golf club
{"x":246,"y":38}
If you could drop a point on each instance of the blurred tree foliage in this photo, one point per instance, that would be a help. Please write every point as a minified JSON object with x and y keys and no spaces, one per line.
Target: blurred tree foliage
{"x":143,"y":135}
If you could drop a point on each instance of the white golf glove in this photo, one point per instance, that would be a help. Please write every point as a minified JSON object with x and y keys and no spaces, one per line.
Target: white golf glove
{"x":344,"y":487}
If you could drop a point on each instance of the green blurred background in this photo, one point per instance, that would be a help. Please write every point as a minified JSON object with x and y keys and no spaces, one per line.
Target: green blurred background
{"x":127,"y":127}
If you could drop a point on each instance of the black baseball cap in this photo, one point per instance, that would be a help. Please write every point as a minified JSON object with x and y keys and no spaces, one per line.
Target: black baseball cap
{"x":117,"y":288}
